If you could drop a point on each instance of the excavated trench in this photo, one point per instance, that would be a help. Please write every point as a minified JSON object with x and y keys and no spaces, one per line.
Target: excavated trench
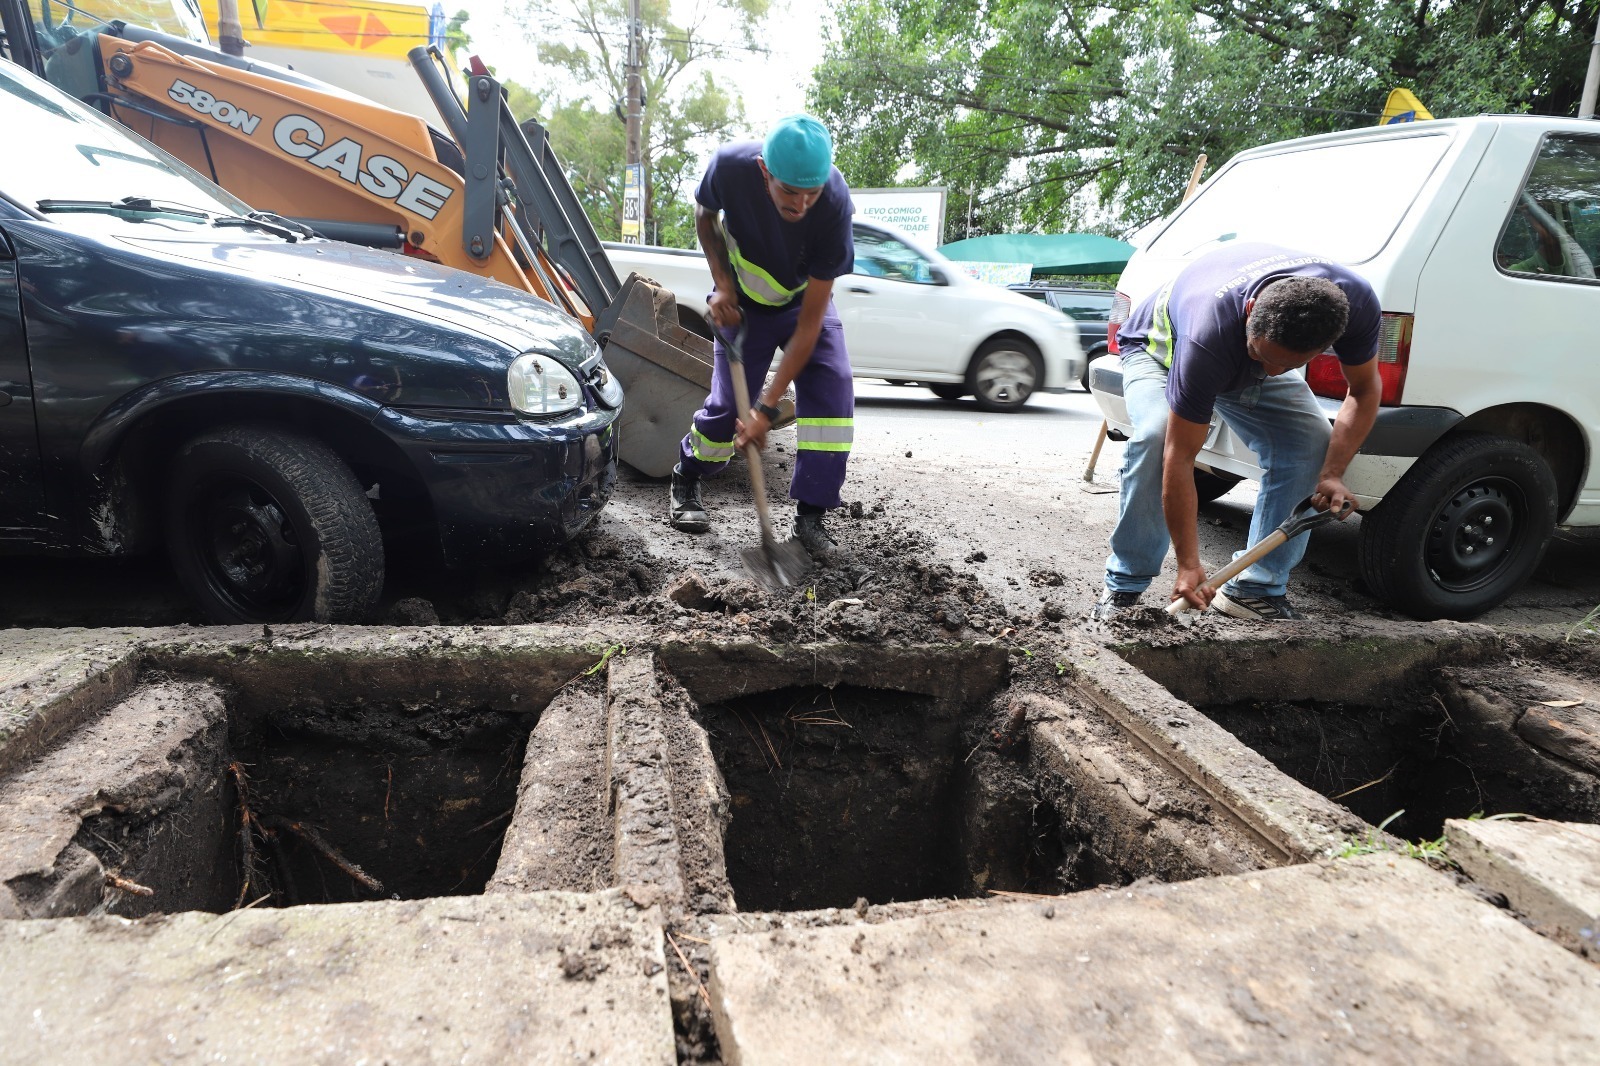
{"x":1408,"y":733}
{"x":788,"y":781}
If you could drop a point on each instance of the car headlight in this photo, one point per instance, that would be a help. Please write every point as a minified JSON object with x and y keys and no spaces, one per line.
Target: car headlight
{"x":539,"y":385}
{"x":609,"y":387}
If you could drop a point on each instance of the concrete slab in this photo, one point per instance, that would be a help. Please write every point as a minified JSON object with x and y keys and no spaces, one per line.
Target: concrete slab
{"x":1333,"y":962}
{"x":1548,"y":871}
{"x":541,"y":978}
{"x":52,"y":680}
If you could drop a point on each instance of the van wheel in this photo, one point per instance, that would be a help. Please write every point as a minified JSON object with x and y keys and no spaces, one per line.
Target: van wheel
{"x":947,"y":391}
{"x":1462,"y":530}
{"x":1004,"y":374}
{"x":1211,"y":486}
{"x":266,"y":525}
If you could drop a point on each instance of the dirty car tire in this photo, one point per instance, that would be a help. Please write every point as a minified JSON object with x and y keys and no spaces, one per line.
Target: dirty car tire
{"x":268,"y":525}
{"x":1211,"y":486}
{"x":1464,"y":527}
{"x":1004,"y":373}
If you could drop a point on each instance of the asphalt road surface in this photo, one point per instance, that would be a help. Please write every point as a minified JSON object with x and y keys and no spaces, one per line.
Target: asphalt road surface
{"x":1000,"y":495}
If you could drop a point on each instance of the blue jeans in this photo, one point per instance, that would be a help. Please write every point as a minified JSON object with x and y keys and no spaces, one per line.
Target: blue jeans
{"x":1278,"y":419}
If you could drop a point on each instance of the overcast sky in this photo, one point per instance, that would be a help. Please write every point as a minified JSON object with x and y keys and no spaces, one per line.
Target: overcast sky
{"x":772,"y":84}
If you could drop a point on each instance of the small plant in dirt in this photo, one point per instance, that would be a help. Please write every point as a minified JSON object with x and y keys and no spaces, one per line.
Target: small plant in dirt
{"x":1587,"y":626}
{"x":1432,"y":852}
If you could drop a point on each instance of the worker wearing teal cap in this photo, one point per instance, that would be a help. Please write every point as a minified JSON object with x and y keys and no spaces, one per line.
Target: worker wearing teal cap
{"x":774,"y":219}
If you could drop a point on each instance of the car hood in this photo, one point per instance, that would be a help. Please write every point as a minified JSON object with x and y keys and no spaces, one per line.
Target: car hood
{"x":404,"y":284}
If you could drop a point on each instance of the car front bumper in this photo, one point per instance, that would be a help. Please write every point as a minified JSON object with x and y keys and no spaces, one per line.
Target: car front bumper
{"x":505,"y":489}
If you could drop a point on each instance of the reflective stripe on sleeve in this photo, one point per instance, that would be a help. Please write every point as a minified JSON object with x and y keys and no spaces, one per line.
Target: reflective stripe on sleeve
{"x":707,"y":450}
{"x":824,"y":434}
{"x":1160,"y":342}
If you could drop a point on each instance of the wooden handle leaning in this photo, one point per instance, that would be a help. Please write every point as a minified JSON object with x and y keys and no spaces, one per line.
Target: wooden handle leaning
{"x":752,"y":454}
{"x":1262,"y":547}
{"x":1094,"y":456}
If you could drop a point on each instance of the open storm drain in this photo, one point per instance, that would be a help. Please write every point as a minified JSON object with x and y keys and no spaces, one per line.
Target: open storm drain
{"x":196,"y":795}
{"x":854,"y":793}
{"x":1403,"y":742}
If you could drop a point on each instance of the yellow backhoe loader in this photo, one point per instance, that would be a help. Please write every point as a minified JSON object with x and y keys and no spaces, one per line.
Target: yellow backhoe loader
{"x":484,"y":194}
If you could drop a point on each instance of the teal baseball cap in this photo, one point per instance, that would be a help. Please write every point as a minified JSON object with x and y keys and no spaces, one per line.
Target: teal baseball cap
{"x":798,"y":151}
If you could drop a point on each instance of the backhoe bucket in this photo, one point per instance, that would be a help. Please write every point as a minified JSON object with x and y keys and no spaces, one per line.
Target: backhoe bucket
{"x":665,"y":372}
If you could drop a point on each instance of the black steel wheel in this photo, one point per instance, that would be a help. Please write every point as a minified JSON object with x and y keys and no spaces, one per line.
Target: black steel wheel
{"x":267,"y":525}
{"x":1465,"y":526}
{"x":1004,"y":373}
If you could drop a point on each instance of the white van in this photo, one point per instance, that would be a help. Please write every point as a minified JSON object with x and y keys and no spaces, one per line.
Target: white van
{"x":1480,"y":236}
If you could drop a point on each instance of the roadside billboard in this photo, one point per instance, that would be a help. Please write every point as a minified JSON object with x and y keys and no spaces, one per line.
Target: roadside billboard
{"x":916,"y":212}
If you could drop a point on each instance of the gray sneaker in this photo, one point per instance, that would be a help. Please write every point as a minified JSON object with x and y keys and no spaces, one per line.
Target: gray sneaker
{"x":1113,"y":604}
{"x":1256,"y":608}
{"x":688,"y":510}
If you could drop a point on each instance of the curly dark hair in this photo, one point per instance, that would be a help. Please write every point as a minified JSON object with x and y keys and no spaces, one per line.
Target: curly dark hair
{"x":1302,"y":314}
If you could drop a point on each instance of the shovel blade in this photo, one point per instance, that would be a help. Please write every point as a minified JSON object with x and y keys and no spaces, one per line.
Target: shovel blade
{"x":777,"y":565}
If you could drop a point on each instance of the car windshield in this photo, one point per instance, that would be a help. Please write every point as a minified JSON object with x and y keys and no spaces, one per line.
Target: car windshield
{"x":880,"y":255}
{"x":74,"y":153}
{"x":1343,"y":200}
{"x":58,"y":21}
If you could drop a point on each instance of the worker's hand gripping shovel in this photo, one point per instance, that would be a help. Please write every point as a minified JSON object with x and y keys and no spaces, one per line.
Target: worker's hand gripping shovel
{"x":774,"y":564}
{"x":1302,"y":519}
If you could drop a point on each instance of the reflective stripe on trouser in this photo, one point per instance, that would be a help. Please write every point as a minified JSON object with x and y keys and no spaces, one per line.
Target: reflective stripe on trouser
{"x":825,"y":403}
{"x":1278,"y":419}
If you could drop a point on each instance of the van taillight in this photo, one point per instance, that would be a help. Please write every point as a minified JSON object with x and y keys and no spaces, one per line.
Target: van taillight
{"x":1394,"y":355}
{"x":1121,"y":308}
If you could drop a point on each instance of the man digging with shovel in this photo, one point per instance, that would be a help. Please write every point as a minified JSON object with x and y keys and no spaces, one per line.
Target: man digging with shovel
{"x":1224,"y":336}
{"x":774,"y":220}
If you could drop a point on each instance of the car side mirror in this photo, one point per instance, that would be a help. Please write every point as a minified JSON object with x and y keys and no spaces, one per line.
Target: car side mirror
{"x":937,"y":273}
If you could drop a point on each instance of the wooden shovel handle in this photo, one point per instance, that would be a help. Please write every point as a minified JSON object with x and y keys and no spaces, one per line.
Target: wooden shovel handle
{"x":752,"y":454}
{"x":1262,"y":547}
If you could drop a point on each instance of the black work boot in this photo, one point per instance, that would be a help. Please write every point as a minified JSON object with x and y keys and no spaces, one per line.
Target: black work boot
{"x":688,"y":510}
{"x":811,"y":533}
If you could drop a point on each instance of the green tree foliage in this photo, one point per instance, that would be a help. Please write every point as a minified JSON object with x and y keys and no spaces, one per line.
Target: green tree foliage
{"x":582,"y":83}
{"x":1055,"y":112}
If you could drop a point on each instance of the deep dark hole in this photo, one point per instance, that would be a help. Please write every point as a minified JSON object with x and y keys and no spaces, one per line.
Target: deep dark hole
{"x":415,"y":798}
{"x":855,"y":793}
{"x":1413,"y":755}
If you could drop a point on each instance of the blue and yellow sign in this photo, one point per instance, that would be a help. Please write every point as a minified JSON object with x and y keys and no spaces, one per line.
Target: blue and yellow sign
{"x":1402,"y":106}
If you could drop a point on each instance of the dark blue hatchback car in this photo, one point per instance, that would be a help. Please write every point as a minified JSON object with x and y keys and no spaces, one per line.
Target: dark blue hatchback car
{"x":177,"y":370}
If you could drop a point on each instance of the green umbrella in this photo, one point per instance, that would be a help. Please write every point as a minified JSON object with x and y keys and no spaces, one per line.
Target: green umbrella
{"x":1048,"y":253}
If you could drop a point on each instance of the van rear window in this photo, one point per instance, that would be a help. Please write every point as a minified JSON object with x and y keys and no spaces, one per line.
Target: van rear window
{"x":1341,"y":201}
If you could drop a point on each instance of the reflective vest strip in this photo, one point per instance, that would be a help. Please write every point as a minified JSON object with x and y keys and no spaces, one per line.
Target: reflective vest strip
{"x":824,"y":434}
{"x":757,"y":284}
{"x":707,"y":450}
{"x":1160,"y":342}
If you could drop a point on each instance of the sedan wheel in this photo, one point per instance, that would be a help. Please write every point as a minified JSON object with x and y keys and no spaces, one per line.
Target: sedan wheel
{"x":1004,"y":373}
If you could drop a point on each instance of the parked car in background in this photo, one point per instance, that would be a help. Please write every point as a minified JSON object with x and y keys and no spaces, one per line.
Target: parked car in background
{"x":1087,"y":303}
{"x":1480,"y":237}
{"x":909,"y":314}
{"x":177,"y":370}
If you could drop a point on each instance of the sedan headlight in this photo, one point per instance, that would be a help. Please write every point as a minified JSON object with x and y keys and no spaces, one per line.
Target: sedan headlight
{"x":539,"y":385}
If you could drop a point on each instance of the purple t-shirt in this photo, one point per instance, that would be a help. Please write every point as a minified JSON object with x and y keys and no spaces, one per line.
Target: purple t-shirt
{"x":820,"y":245}
{"x":1206,"y":307}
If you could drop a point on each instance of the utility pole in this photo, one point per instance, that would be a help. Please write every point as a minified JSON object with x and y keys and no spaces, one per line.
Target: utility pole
{"x":633,"y":199}
{"x":1591,"y":83}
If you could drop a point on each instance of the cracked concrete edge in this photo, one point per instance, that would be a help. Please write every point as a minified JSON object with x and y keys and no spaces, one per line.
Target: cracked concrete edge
{"x":1292,"y":822}
{"x":713,"y":671}
{"x":1548,"y":872}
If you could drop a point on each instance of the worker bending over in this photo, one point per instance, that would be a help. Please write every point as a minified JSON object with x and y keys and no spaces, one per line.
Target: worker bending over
{"x":774,"y":220}
{"x":1224,"y":336}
